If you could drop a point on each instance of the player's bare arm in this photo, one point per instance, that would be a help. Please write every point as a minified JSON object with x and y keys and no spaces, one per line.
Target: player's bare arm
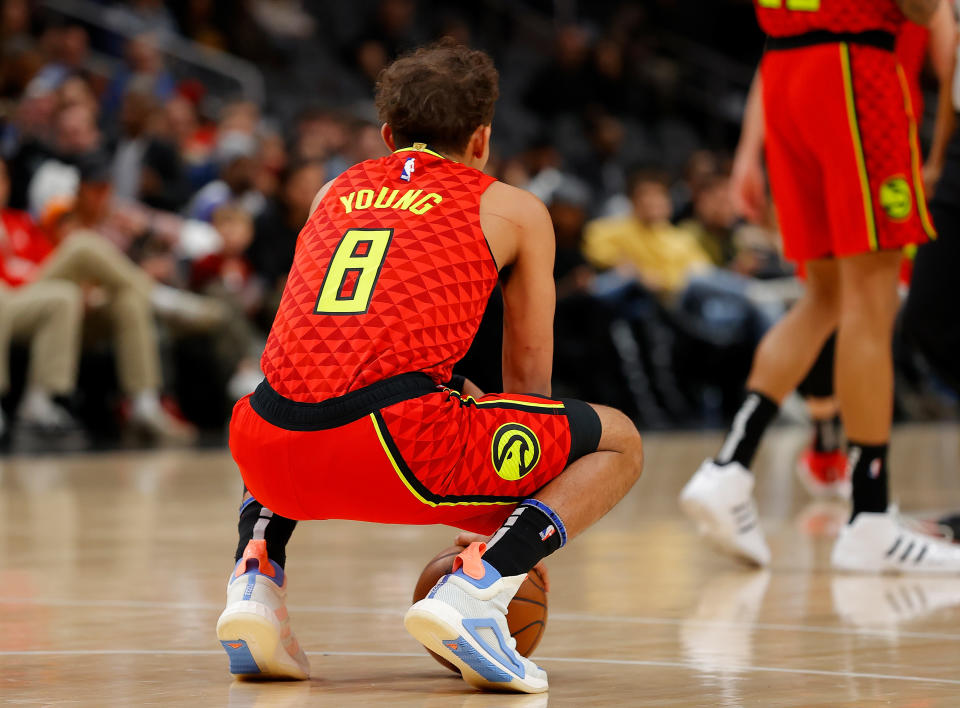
{"x":943,"y":52}
{"x":747,"y":182}
{"x":320,"y":195}
{"x":919,"y":11}
{"x":520,"y":233}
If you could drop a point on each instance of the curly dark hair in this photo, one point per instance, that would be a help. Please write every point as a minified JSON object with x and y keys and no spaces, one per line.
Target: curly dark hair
{"x":438,"y":95}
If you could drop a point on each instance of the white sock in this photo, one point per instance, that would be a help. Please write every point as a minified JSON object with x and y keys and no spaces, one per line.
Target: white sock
{"x":38,"y":406}
{"x":146,"y":404}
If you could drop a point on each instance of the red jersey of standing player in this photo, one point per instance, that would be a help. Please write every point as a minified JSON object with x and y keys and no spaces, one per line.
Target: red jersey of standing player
{"x":841,"y":137}
{"x":331,"y":335}
{"x":787,"y":18}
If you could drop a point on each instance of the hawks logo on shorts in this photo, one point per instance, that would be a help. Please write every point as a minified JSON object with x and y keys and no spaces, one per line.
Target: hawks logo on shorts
{"x":896,"y":198}
{"x":515,"y":451}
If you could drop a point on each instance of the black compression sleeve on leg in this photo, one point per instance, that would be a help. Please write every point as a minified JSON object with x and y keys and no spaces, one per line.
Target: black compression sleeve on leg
{"x":530,"y":534}
{"x":256,"y":521}
{"x":868,"y":466}
{"x":749,"y":424}
{"x":818,"y":382}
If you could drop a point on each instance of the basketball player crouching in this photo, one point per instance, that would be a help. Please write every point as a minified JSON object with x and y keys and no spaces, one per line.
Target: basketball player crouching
{"x":358,"y":417}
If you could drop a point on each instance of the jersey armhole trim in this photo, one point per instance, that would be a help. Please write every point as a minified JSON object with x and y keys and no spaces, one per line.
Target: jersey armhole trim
{"x":480,"y":223}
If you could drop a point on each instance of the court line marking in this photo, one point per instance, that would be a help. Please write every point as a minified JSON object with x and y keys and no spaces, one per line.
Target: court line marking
{"x":561,"y":659}
{"x":554,"y":616}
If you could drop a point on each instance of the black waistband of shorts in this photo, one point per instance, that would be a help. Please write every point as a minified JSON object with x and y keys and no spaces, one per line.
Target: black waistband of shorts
{"x":334,"y":412}
{"x":871,"y":38}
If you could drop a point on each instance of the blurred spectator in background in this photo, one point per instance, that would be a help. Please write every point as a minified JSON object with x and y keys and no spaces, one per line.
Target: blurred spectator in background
{"x":565,"y":85}
{"x":66,"y":48}
{"x":713,"y":220}
{"x":121,"y":299}
{"x":145,"y":65}
{"x":146,"y":166}
{"x":645,"y":245}
{"x":141,"y":16}
{"x":282,"y":19}
{"x":235,"y":155}
{"x":391,"y":31}
{"x":271,"y":161}
{"x":14,"y":21}
{"x":277,"y":228}
{"x":194,"y":139}
{"x":54,"y":163}
{"x":228,"y":276}
{"x":46,"y":317}
{"x":322,"y":135}
{"x":730,"y":243}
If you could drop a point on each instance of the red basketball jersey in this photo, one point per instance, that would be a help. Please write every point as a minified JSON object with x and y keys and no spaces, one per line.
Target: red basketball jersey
{"x":785,"y":18}
{"x":391,"y":275}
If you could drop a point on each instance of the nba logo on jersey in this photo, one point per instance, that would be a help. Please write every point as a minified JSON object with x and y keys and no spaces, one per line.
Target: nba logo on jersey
{"x":408,"y":168}
{"x":547,"y":532}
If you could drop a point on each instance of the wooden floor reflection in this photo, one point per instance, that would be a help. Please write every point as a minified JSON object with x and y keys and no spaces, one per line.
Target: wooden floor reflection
{"x":113,"y":566}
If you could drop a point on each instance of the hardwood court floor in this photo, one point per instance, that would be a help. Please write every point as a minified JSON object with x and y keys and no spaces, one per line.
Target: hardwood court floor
{"x":112,"y":571}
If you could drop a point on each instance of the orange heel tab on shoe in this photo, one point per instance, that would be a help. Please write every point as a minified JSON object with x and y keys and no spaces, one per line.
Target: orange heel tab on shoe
{"x":256,"y":549}
{"x":469,"y":560}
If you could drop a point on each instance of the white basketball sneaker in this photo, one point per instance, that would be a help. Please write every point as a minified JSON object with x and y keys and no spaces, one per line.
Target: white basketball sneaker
{"x":254,"y":628}
{"x":882,"y":542}
{"x":464,"y":620}
{"x":719,"y":500}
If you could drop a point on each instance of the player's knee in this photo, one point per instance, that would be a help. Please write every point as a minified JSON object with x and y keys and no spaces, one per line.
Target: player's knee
{"x":634,"y":453}
{"x":621,"y":435}
{"x":868,"y":314}
{"x":825,"y":299}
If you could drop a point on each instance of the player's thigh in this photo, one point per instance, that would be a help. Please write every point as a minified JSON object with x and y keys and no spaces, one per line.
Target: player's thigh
{"x":876,"y":199}
{"x":497,"y":448}
{"x":796,"y":179}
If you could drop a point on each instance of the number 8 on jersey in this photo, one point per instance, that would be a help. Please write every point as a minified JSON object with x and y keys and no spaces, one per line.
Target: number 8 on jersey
{"x":353,"y":272}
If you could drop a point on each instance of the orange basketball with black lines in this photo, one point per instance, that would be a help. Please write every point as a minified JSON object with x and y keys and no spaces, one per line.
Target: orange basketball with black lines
{"x":526,"y":615}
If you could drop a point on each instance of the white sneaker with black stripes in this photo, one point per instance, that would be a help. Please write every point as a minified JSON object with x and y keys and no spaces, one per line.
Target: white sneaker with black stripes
{"x":882,"y":542}
{"x":719,"y":500}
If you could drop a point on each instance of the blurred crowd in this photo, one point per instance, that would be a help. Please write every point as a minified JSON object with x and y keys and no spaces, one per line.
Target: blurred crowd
{"x":147,"y":223}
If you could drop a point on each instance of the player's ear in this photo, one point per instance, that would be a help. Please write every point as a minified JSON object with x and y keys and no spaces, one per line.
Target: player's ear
{"x":482,"y":150}
{"x":478,"y":149}
{"x":387,"y":136}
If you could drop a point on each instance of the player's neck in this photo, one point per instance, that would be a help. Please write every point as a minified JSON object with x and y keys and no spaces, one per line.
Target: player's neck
{"x":420,"y":147}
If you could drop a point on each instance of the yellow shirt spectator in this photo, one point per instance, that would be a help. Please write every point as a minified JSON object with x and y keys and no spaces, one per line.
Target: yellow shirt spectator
{"x":663,"y":256}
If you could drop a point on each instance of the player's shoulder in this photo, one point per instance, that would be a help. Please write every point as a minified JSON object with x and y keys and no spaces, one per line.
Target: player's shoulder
{"x":518,"y":206}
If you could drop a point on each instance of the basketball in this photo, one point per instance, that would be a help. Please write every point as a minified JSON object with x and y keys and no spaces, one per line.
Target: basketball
{"x":526,"y":615}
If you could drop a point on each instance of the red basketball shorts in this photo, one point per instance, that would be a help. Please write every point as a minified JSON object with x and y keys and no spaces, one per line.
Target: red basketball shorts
{"x":841,"y":145}
{"x":404,"y":451}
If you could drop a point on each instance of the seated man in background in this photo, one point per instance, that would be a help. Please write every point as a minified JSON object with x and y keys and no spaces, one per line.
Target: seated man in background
{"x":645,"y":245}
{"x":49,"y":277}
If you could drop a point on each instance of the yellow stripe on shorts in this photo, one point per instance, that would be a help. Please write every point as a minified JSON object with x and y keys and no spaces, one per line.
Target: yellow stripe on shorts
{"x":858,"y":147}
{"x":918,"y":190}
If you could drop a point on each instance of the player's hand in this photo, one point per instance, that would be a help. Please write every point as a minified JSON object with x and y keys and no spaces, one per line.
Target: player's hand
{"x":931,"y":175}
{"x":748,"y":189}
{"x":465,"y":538}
